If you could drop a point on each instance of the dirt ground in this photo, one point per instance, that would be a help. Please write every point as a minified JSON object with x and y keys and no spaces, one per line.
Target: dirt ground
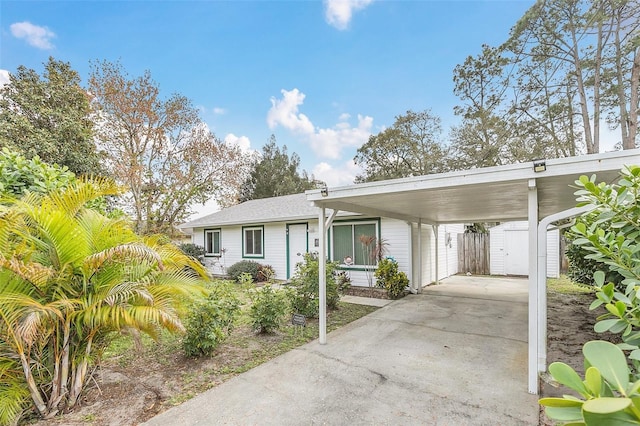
{"x":130,"y":391}
{"x":570,"y":326}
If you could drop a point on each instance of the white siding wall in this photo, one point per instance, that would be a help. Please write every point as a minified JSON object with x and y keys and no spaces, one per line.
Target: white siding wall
{"x":231,"y":241}
{"x":396,"y":233}
{"x":447,"y":253}
{"x":497,"y":258}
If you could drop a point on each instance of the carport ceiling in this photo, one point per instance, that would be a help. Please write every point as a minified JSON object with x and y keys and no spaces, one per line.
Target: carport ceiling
{"x":487,"y":194}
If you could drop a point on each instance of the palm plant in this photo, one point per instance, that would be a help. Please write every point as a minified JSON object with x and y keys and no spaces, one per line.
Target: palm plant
{"x":69,"y":278}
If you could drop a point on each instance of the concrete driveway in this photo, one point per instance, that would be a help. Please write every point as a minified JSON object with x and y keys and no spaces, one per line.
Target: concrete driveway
{"x":454,"y":355}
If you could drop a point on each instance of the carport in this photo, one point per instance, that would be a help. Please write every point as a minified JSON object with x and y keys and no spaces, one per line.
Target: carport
{"x":540,"y":192}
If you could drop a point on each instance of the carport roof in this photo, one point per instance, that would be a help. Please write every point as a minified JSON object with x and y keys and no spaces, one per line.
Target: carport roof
{"x":486,"y":194}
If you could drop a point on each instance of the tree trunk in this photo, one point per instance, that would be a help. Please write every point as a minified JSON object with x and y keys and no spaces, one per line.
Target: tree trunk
{"x":33,"y":388}
{"x":592,"y":146}
{"x":634,"y":101}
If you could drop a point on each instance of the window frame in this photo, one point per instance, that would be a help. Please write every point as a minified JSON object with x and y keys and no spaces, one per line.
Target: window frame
{"x":353,"y":223}
{"x":246,"y":255}
{"x":213,"y":231}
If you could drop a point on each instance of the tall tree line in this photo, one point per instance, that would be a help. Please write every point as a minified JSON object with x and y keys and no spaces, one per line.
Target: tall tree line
{"x":123,"y":127}
{"x":568,"y":68}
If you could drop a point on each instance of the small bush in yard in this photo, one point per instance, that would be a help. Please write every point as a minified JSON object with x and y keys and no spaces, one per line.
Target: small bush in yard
{"x":193,"y":250}
{"x":389,"y":278}
{"x":266,"y":273}
{"x":305,"y":298}
{"x":211,"y":321}
{"x":268,"y":307}
{"x":244,"y":266}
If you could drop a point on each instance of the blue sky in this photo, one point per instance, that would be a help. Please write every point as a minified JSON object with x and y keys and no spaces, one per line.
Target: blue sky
{"x":321,"y":76}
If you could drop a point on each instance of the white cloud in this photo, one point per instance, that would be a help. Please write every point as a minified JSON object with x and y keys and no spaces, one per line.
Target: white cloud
{"x":242,"y":142}
{"x":340,"y":176}
{"x":329,"y":143}
{"x":219,"y":111}
{"x":284,"y":112}
{"x":325,"y":142}
{"x":4,"y":78}
{"x":338,"y":13}
{"x":35,"y":35}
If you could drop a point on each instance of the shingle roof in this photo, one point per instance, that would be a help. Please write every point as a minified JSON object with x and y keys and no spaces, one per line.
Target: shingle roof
{"x":275,"y":209}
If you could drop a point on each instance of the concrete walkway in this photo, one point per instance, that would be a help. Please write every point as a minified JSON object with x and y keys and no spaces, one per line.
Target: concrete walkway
{"x":454,"y":355}
{"x":369,"y":301}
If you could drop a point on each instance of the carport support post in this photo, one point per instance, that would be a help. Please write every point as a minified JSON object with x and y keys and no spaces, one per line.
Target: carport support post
{"x":322,"y":276}
{"x":436,"y":231}
{"x":419,"y":281}
{"x":533,"y":287}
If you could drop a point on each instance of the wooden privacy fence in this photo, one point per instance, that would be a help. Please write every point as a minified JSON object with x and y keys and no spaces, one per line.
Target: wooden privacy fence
{"x":473,"y":253}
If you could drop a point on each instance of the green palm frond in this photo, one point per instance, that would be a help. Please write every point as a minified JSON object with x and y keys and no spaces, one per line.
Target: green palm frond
{"x":68,"y":273}
{"x":103,"y":232}
{"x":32,"y":272}
{"x":77,"y":195}
{"x":131,"y":251}
{"x":14,"y":395}
{"x":172,"y":257}
{"x":124,"y":292}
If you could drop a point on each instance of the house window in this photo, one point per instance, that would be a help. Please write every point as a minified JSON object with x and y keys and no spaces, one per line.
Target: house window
{"x":253,"y":241}
{"x":212,"y":242}
{"x":355,"y":242}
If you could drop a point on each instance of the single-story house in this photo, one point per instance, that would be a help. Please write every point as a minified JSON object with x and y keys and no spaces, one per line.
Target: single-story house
{"x":509,"y":250}
{"x":278,"y":231}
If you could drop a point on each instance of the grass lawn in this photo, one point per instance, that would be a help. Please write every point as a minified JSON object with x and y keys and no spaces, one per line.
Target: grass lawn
{"x":564,"y":285}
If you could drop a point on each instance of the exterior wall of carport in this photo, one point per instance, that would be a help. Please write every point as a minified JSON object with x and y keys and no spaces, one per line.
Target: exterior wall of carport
{"x":447,"y":251}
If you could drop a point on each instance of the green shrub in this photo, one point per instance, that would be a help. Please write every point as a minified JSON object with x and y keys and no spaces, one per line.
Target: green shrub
{"x":244,"y":266}
{"x":608,"y":394}
{"x":582,"y":268}
{"x":193,"y":250}
{"x":389,"y":278}
{"x":268,"y":307}
{"x":305,"y":297}
{"x":211,"y":321}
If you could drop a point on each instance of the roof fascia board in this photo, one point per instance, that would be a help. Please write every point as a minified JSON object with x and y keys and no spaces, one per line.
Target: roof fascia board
{"x":260,"y":221}
{"x":368,"y":211}
{"x":500,"y":174}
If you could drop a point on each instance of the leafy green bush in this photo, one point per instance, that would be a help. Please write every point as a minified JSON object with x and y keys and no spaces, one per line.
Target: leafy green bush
{"x":305,"y":297}
{"x":389,"y":278}
{"x":19,"y":175}
{"x":211,"y":321}
{"x":193,"y":250}
{"x":581,"y":267}
{"x":612,"y":237}
{"x":610,"y":234}
{"x":608,"y":395}
{"x":244,"y":266}
{"x":268,"y":307}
